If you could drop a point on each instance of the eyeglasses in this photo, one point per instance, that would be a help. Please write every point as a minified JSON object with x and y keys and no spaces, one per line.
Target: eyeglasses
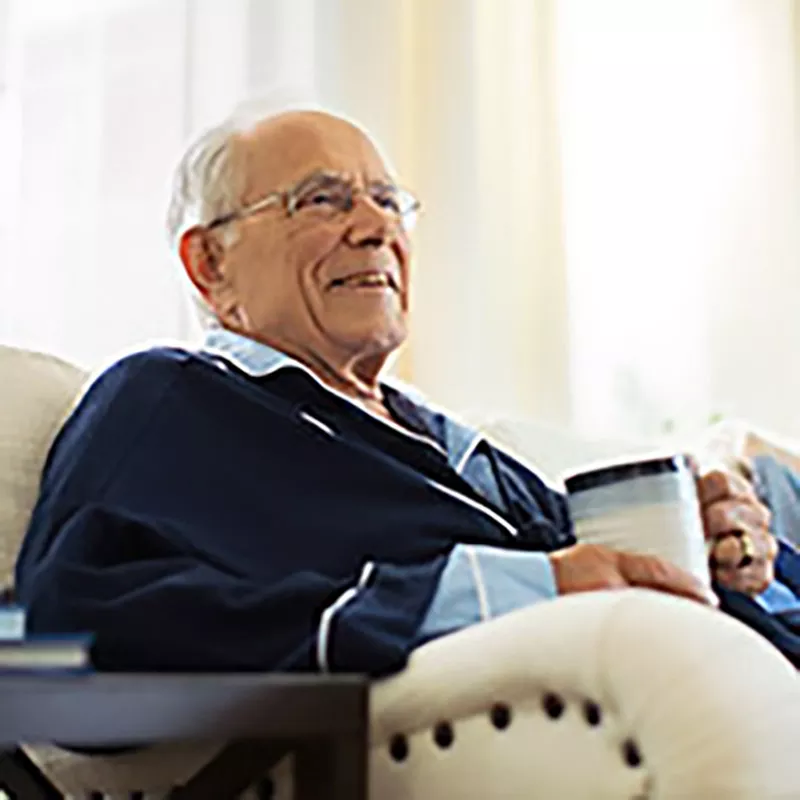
{"x":324,"y":196}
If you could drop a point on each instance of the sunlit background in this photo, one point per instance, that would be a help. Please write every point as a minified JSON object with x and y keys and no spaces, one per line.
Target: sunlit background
{"x":610,"y":186}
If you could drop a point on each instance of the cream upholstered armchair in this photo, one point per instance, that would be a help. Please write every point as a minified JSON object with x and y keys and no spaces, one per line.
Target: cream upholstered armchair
{"x":605,"y":695}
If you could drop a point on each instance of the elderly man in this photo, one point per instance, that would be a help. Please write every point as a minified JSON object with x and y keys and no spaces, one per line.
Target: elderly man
{"x":268,"y":502}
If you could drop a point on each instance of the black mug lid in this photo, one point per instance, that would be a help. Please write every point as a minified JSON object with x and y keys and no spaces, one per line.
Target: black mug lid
{"x":624,"y":471}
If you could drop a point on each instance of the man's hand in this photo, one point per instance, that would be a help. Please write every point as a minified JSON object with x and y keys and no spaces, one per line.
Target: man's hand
{"x":731,"y":508}
{"x":589,"y":567}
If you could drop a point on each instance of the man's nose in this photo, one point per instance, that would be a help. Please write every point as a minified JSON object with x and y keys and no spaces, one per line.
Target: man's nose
{"x":370,"y":225}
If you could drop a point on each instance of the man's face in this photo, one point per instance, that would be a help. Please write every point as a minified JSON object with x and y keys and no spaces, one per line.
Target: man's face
{"x":333,"y":285}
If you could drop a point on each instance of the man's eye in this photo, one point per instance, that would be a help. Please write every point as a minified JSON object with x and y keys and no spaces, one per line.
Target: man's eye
{"x":317,"y":199}
{"x":389,"y":202}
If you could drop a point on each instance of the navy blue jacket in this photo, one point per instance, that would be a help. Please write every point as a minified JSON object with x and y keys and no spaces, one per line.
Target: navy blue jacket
{"x":194,"y":519}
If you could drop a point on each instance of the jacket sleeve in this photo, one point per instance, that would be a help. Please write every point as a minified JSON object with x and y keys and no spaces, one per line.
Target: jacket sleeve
{"x":151,"y":608}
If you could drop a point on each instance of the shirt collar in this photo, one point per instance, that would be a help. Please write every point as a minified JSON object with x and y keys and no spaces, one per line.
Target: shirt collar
{"x":257,"y":359}
{"x":252,"y":357}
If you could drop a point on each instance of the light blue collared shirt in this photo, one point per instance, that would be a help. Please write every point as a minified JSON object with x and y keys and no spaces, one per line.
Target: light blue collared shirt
{"x":478,"y":582}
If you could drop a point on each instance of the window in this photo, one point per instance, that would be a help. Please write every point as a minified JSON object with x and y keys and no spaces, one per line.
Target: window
{"x":94,"y":111}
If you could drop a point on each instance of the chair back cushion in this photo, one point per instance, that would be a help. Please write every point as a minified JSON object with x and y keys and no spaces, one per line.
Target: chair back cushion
{"x":36,"y":393}
{"x":553,"y":451}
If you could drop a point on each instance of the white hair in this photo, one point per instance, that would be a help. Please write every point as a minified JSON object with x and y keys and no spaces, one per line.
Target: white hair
{"x":209,"y":180}
{"x":207,"y":183}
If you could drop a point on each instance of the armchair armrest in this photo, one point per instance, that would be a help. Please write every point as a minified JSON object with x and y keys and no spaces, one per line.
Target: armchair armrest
{"x":609,"y":694}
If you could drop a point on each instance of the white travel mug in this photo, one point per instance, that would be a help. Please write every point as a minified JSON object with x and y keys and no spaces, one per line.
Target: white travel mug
{"x":647,"y":506}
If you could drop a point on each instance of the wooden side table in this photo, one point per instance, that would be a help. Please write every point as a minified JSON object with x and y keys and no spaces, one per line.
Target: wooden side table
{"x":322,"y":720}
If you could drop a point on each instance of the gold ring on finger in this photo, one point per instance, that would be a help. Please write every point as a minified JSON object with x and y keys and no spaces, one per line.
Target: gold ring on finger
{"x":748,"y":549}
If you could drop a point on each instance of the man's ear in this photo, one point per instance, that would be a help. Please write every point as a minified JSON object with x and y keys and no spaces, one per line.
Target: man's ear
{"x":201,"y":255}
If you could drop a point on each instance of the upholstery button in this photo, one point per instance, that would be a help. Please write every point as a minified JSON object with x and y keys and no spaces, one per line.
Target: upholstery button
{"x":592,"y":713}
{"x":631,"y":754}
{"x":398,"y":747}
{"x":500,"y":716}
{"x":443,"y":735}
{"x":553,"y":705}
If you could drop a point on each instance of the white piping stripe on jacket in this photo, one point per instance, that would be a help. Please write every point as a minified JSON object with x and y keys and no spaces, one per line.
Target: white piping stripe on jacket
{"x":480,"y":586}
{"x":477,"y":506}
{"x":317,"y":423}
{"x":326,"y":619}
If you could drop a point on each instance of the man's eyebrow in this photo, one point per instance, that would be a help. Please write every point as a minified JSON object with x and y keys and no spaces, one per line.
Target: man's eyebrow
{"x":385,"y":184}
{"x":318,"y":178}
{"x":322,"y":178}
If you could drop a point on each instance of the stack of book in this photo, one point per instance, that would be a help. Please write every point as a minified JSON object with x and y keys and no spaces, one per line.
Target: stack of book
{"x":20,"y":653}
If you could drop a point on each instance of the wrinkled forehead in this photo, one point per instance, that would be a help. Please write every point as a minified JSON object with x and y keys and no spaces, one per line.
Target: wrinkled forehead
{"x":280,"y":152}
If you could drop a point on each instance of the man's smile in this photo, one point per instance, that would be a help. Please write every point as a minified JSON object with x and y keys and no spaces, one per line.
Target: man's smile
{"x":365,"y":280}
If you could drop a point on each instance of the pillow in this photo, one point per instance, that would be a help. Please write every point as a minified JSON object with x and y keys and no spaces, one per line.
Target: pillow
{"x":36,"y":393}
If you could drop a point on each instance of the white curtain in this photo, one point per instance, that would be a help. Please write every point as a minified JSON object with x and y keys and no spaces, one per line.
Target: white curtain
{"x":680,"y":144}
{"x":610,"y":186}
{"x":95,"y":102}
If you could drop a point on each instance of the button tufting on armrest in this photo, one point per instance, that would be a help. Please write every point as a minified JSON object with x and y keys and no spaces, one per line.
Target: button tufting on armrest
{"x":553,"y":705}
{"x":500,"y":716}
{"x":631,"y":754}
{"x":443,"y":735}
{"x":398,"y":747}
{"x":592,"y":713}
